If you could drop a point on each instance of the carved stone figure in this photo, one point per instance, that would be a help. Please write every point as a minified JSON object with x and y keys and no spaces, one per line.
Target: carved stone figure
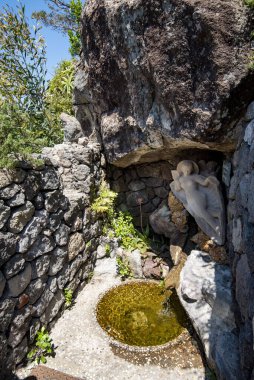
{"x":201,"y":196}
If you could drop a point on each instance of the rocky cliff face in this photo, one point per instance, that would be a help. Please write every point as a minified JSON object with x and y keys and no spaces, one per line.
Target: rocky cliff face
{"x":161,"y":75}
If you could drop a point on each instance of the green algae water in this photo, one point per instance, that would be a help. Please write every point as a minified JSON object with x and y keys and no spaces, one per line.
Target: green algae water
{"x":141,"y":314}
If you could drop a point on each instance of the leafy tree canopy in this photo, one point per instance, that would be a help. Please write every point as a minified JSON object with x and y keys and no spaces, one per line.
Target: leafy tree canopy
{"x":64,"y":16}
{"x":29,"y":106}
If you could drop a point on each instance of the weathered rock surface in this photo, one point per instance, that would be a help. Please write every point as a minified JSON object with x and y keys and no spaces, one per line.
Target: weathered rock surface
{"x":8,"y":243}
{"x":2,"y":283}
{"x":18,"y":283}
{"x":205,"y":291}
{"x":162,"y":75}
{"x":72,"y":128}
{"x":14,"y":266}
{"x":76,"y":245}
{"x":42,"y":245}
{"x":4,"y":214}
{"x":57,"y":260}
{"x":32,"y":230}
{"x":36,"y":220}
{"x":21,"y":217}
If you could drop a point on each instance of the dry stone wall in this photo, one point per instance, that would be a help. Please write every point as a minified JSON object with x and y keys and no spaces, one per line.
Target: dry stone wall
{"x":241,"y":240}
{"x":146,"y":184}
{"x":48,"y":241}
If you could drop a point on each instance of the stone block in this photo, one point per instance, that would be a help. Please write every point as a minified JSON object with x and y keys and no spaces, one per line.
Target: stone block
{"x":81,"y":172}
{"x":57,"y":260}
{"x":43,"y":244}
{"x":40,"y":266}
{"x":153,"y":182}
{"x":20,"y":326}
{"x":244,"y":190}
{"x":249,"y":133}
{"x":76,"y":264}
{"x":237,"y":235}
{"x":5,"y":212}
{"x":226,"y":172}
{"x":43,"y":302}
{"x":21,"y":217}
{"x":53,"y":308}
{"x":14,"y":266}
{"x":35,"y":326}
{"x":2,"y":283}
{"x":31,"y":185}
{"x":136,"y":185}
{"x":5,"y":178}
{"x":63,"y":276}
{"x":62,"y":235}
{"x":152,"y":170}
{"x":10,"y":191}
{"x":8,"y":242}
{"x":78,"y":223}
{"x":49,"y":179}
{"x":7,"y":307}
{"x":32,"y":230}
{"x":3,"y":356}
{"x":20,"y":351}
{"x":137,"y":197}
{"x":72,"y":213}
{"x":72,"y":128}
{"x":53,"y":200}
{"x":161,"y":192}
{"x":38,"y":201}
{"x":17,"y":284}
{"x":35,"y":289}
{"x":76,"y":245}
{"x":54,"y":220}
{"x":250,"y":112}
{"x":250,"y":199}
{"x":18,"y":200}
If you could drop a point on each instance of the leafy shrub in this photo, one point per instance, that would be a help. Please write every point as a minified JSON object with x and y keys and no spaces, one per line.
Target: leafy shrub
{"x":43,"y":347}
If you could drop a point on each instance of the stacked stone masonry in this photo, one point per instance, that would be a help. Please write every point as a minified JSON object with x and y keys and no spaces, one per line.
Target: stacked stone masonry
{"x":48,"y":241}
{"x":240,"y":238}
{"x":144,"y":185}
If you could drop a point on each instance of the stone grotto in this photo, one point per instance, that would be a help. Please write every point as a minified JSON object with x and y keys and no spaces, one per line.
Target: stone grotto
{"x":164,"y":113}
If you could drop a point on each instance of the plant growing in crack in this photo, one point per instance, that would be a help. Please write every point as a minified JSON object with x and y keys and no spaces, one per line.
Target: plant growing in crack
{"x":43,"y":347}
{"x":68,"y":295}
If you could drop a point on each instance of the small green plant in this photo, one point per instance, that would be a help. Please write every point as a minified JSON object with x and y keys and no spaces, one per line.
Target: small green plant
{"x":131,"y":239}
{"x":68,"y":295}
{"x":90,"y":276}
{"x":107,"y":249}
{"x":43,"y":347}
{"x":104,"y":204}
{"x":123,"y":268}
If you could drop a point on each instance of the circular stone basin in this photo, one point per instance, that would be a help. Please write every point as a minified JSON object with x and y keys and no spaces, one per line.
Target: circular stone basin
{"x":141,"y":314}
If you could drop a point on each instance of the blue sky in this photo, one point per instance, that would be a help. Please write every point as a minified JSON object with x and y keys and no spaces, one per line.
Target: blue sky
{"x":57,"y":44}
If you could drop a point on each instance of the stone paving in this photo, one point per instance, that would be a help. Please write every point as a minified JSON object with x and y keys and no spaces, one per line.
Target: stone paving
{"x":83,"y":349}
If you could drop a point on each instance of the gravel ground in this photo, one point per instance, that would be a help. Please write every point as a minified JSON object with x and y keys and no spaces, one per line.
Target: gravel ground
{"x":84,"y":350}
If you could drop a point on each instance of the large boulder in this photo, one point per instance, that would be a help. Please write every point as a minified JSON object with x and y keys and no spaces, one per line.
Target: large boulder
{"x":205,"y":291}
{"x":157,"y":76}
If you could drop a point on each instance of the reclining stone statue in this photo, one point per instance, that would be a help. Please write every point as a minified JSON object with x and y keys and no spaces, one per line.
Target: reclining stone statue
{"x":201,"y":196}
